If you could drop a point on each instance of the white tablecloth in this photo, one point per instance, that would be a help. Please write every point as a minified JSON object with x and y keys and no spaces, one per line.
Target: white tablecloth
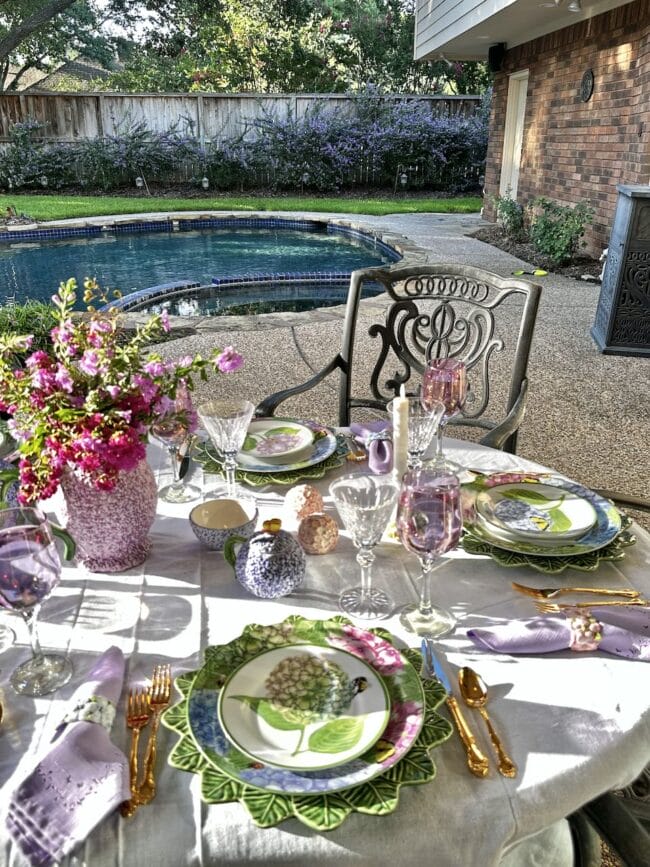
{"x":576,"y":724}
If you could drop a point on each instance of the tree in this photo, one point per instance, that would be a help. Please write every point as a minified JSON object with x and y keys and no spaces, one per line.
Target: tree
{"x":287,"y":45}
{"x":38,"y":34}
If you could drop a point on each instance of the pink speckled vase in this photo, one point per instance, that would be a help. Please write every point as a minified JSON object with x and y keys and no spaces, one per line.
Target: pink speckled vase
{"x":111,"y":527}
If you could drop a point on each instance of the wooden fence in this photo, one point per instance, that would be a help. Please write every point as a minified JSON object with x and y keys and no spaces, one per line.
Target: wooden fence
{"x":68,"y":117}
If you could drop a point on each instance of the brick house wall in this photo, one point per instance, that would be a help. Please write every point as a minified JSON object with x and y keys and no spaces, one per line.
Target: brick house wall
{"x":572,"y":150}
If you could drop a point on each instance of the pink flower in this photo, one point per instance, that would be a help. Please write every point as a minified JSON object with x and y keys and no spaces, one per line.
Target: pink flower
{"x":90,"y":362}
{"x":228,"y":360}
{"x":164,"y":321}
{"x":63,"y":379}
{"x":154,"y":368}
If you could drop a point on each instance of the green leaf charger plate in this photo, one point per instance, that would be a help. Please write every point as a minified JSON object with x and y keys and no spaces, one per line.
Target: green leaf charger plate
{"x":322,"y":799}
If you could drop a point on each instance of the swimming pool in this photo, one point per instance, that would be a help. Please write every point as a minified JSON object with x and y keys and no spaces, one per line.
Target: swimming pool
{"x":154,"y":258}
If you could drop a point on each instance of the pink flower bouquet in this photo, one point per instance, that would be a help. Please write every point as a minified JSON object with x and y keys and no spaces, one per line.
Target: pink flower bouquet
{"x":88,"y":403}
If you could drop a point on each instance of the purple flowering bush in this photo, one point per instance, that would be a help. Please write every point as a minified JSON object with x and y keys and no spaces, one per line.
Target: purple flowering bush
{"x":88,"y":402}
{"x":370,"y":143}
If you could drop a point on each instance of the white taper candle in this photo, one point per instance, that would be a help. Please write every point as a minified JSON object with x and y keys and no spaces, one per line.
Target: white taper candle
{"x":400,"y":433}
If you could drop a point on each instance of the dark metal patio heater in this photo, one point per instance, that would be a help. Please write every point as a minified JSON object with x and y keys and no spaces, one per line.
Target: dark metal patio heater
{"x":622,"y":325}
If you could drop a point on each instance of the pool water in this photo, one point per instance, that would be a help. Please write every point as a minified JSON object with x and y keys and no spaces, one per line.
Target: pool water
{"x":264,"y":296}
{"x":131,"y":261}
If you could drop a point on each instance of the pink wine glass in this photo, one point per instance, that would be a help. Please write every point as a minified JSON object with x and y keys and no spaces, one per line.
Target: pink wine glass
{"x":445,"y":381}
{"x":429,"y":523}
{"x":29,"y":570}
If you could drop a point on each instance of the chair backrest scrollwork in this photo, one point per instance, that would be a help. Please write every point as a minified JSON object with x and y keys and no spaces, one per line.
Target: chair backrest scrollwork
{"x":438,"y":311}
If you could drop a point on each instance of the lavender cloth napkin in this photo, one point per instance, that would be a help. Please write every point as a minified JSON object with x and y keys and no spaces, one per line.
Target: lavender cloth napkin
{"x":377,"y":438}
{"x":81,"y":779}
{"x":623,"y":632}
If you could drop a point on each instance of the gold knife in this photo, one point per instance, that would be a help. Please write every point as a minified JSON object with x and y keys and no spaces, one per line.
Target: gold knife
{"x":477,"y":762}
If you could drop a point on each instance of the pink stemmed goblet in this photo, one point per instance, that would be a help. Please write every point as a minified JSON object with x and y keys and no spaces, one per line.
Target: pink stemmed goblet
{"x":429,"y":522}
{"x":29,"y":570}
{"x":172,"y":429}
{"x":445,"y":381}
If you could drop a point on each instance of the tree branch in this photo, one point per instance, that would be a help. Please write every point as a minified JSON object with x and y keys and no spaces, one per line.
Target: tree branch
{"x":30,"y":25}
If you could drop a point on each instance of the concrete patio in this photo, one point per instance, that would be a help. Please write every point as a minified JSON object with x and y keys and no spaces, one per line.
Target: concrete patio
{"x":588,"y":413}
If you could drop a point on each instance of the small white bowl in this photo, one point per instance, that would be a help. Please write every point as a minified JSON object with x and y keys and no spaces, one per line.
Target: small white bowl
{"x":214,"y":521}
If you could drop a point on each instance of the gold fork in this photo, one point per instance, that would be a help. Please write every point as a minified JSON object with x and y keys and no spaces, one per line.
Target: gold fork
{"x":552,"y":592}
{"x":159,"y":695}
{"x":554,"y":607}
{"x":137,"y":717}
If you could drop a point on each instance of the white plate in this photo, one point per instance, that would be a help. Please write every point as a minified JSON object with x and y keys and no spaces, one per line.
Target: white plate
{"x":323,"y":445}
{"x":292,"y":729}
{"x":270,"y":439}
{"x":536,"y":512}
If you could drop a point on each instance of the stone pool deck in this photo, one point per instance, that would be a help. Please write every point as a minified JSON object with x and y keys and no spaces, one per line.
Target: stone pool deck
{"x":588,"y":413}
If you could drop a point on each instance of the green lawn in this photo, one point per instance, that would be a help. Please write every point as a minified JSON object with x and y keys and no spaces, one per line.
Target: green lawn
{"x":63,"y":207}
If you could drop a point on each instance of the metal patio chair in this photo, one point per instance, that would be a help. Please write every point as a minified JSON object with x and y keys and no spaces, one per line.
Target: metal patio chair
{"x":436,"y":311}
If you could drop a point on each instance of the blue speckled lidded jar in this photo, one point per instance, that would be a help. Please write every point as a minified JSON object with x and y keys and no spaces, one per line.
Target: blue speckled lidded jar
{"x":270,"y":564}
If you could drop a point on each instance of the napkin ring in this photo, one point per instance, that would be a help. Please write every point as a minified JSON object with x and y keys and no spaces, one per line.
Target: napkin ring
{"x":95,"y":709}
{"x":378,"y":436}
{"x":586,"y":632}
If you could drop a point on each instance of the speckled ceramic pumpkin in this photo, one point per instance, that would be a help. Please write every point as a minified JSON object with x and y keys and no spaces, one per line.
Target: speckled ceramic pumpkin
{"x":270,"y":564}
{"x":111,"y":528}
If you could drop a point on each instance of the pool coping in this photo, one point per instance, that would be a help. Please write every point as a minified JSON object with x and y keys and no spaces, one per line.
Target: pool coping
{"x":410,"y":252}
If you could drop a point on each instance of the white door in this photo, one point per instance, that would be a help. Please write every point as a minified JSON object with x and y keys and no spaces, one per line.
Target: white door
{"x":514,"y":133}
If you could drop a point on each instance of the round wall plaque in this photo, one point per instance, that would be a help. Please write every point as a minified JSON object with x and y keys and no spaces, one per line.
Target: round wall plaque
{"x":587,"y":85}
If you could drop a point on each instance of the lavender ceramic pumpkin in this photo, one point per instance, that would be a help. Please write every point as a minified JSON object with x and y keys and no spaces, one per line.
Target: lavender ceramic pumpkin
{"x":270,"y":564}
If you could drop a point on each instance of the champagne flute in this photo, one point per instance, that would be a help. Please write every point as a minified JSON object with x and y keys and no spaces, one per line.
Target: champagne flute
{"x":365,"y":504}
{"x":29,"y":570}
{"x":226,"y":422}
{"x":445,"y":381}
{"x":423,"y":421}
{"x":429,"y":522}
{"x":172,"y":429}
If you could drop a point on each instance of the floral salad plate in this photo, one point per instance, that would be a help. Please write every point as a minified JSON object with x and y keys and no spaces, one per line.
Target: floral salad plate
{"x":326,"y":452}
{"x":272,"y":439}
{"x":304,"y":707}
{"x":544,"y":514}
{"x":321,"y":799}
{"x":605,"y":528}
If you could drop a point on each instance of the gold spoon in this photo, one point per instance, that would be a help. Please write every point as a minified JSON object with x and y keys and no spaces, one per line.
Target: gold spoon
{"x":474,"y":691}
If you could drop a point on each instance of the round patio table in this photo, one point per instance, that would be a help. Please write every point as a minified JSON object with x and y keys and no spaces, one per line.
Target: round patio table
{"x":577,"y":725}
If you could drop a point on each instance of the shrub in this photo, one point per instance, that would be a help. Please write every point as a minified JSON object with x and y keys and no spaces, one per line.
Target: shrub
{"x":510,"y":216}
{"x":556,"y":229}
{"x":372,"y":143}
{"x":32,"y":317}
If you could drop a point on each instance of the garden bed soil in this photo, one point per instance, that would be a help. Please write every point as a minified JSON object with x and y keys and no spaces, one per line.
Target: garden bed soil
{"x":577,"y":267}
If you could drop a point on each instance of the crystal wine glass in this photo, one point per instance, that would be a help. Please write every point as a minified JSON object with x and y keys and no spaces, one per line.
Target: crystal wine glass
{"x":445,"y":380}
{"x":226,"y":422}
{"x":365,"y":504}
{"x":423,"y":421}
{"x":172,"y":429}
{"x":429,"y":522}
{"x":29,"y":570}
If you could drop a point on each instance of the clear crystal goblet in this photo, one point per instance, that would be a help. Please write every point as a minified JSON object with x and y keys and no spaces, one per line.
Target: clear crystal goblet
{"x":429,"y":523}
{"x":365,"y":504}
{"x":423,"y":422}
{"x":226,"y":422}
{"x":172,"y":430}
{"x":30,"y":569}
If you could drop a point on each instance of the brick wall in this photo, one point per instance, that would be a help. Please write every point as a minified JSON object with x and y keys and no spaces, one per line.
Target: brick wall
{"x":578,"y":151}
